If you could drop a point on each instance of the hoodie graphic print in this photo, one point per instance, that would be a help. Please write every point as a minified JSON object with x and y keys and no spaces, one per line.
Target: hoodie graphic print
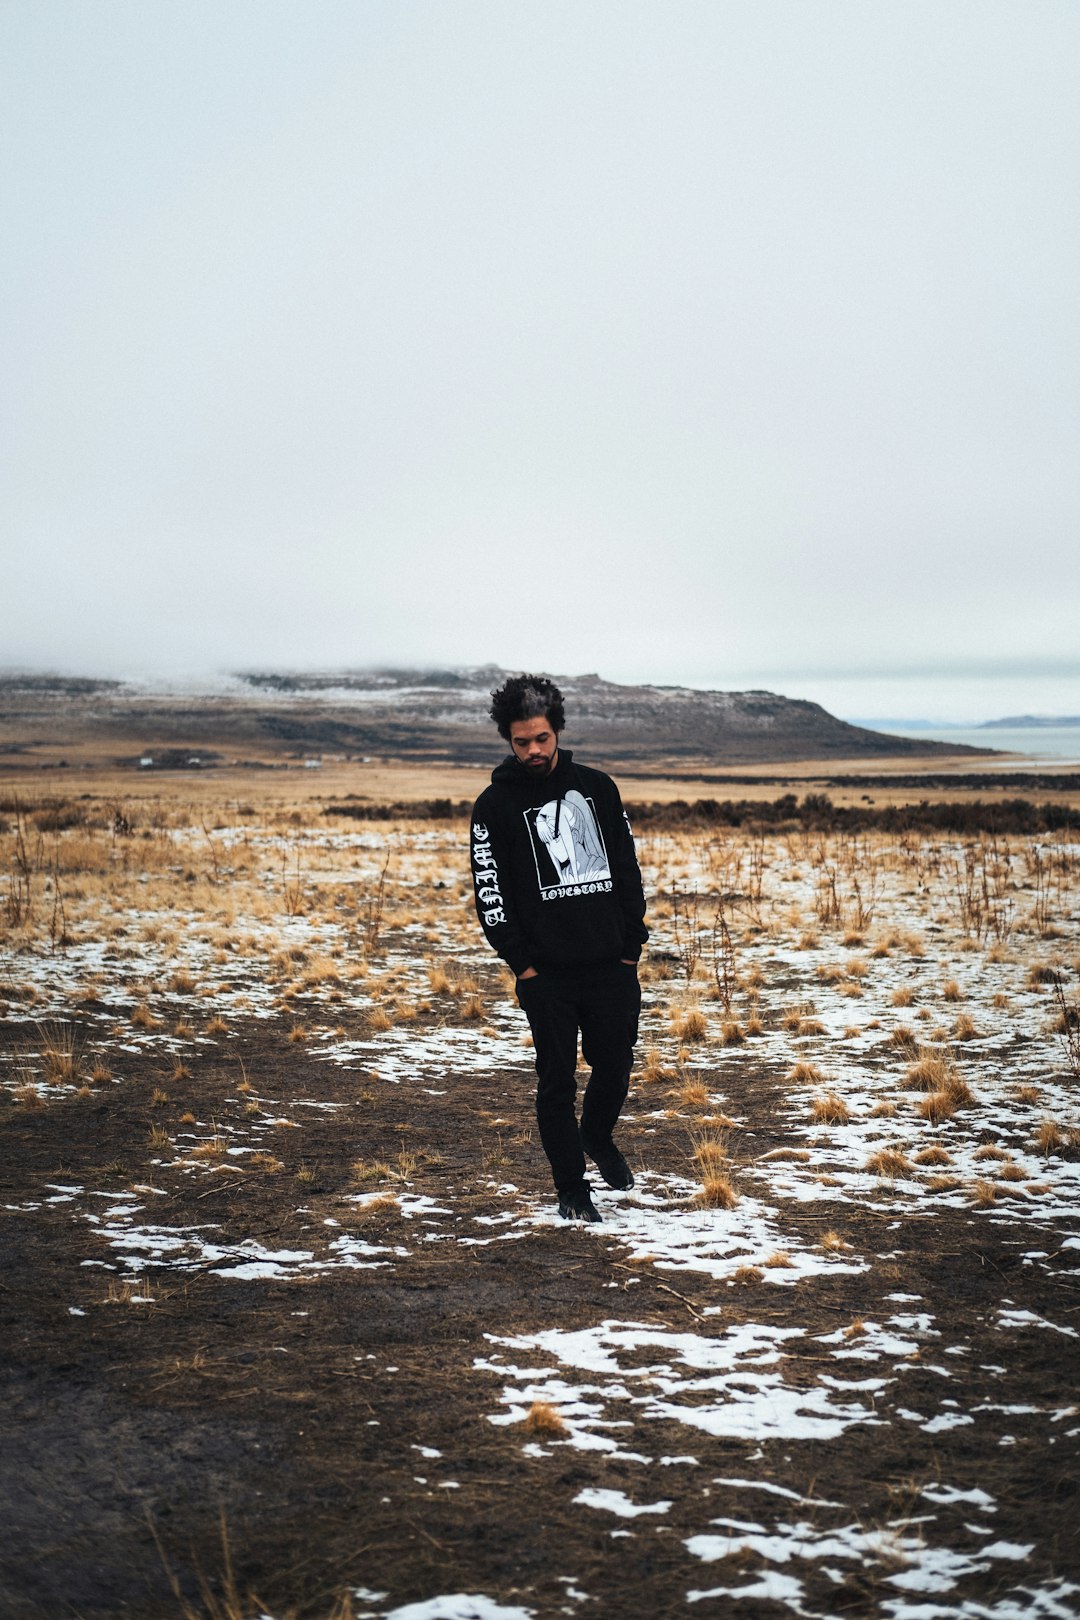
{"x":568,"y":833}
{"x":564,"y":838}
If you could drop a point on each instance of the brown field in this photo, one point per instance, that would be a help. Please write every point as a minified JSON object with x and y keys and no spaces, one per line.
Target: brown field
{"x":279,"y":781}
{"x":291,"y":1327}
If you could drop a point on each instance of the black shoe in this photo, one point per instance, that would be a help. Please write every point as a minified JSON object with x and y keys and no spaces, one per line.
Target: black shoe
{"x":577,"y":1204}
{"x":611,"y":1165}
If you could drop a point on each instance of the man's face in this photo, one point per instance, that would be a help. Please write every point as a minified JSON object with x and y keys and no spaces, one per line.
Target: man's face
{"x":535,"y":744}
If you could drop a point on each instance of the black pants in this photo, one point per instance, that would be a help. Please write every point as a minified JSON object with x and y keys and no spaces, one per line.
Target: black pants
{"x":603,"y":1003}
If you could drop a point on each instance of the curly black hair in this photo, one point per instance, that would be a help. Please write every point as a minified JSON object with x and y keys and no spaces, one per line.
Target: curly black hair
{"x":523,"y":697}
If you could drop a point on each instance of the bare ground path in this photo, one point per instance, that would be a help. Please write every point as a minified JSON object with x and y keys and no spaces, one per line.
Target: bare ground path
{"x":340,"y":1422}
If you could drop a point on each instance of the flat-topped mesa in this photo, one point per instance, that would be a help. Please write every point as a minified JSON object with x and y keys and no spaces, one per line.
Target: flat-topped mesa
{"x":428,"y":713}
{"x":747,"y":727}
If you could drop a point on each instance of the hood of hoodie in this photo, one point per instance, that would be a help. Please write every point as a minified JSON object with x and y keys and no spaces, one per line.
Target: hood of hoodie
{"x":536,"y":789}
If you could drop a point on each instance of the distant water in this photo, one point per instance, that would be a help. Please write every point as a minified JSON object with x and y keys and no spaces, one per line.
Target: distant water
{"x":1057,"y":744}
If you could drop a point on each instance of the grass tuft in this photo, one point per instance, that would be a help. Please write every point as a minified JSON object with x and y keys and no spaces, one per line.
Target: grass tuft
{"x":830,"y":1110}
{"x":690,"y":1024}
{"x":1049,"y":1138}
{"x":543,"y":1418}
{"x":889,"y":1163}
{"x":717,"y":1191}
{"x":710,"y":1152}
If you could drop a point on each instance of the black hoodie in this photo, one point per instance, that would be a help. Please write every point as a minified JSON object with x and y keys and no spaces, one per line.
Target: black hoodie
{"x":556,"y":878}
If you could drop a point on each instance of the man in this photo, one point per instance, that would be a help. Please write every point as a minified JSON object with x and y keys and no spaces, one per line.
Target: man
{"x":559,"y":896}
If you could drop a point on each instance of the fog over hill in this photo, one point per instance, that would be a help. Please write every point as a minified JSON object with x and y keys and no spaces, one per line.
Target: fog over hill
{"x":428,"y":714}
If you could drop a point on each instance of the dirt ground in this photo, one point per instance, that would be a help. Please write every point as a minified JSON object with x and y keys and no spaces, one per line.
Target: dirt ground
{"x":291,"y":1327}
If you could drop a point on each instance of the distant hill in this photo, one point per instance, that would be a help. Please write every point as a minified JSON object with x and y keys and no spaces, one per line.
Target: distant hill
{"x":431,"y":714}
{"x":1015,"y":721}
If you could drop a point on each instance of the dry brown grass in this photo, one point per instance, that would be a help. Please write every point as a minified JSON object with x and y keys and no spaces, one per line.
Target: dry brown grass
{"x":933,"y":1156}
{"x":930,"y":1072}
{"x":710,"y":1151}
{"x":128,"y":1292}
{"x":779,"y":1261}
{"x":690,"y":1024}
{"x":691,"y":1094}
{"x":215,"y":1148}
{"x":830,"y":1110}
{"x":717,"y":1192}
{"x":902,"y":996}
{"x":1049,"y":1138}
{"x":805,"y":1074}
{"x":833,"y":1243}
{"x":60,"y":1053}
{"x":654,"y":1068}
{"x":543,"y":1418}
{"x":888,"y":1163}
{"x":382,"y":1204}
{"x":831,"y":973}
{"x":266,"y":1161}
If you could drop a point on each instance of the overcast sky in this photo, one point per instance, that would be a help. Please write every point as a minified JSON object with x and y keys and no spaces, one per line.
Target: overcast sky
{"x":731,"y":343}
